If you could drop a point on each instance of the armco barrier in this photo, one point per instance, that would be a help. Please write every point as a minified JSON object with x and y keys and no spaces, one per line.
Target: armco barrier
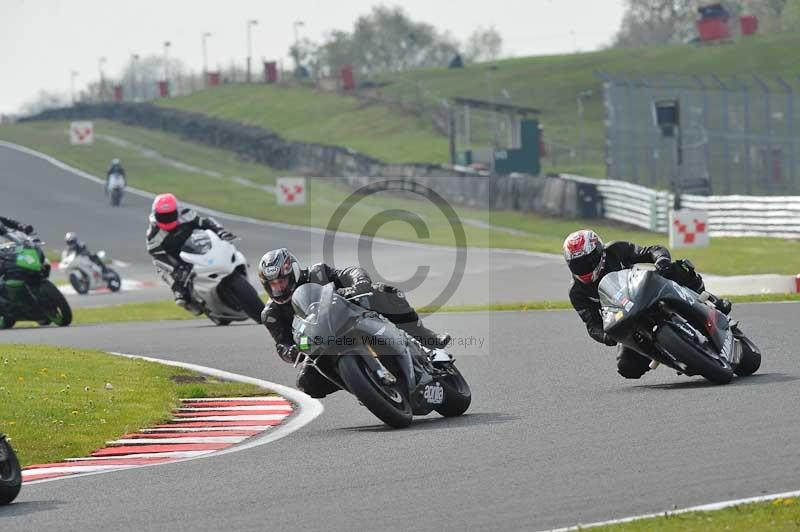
{"x":776,"y":216}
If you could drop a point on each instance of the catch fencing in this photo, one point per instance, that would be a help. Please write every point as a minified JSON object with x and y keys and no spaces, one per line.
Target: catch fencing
{"x":739,"y":135}
{"x":730,"y":215}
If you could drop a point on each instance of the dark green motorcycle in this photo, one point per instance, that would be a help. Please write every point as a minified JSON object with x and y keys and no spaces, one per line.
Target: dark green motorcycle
{"x":26,"y":293}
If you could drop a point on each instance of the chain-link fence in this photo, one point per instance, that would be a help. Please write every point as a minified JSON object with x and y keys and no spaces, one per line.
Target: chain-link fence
{"x":737,"y":135}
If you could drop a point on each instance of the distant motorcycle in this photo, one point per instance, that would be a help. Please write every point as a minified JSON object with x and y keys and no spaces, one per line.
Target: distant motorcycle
{"x":26,"y":293}
{"x":362,"y":352}
{"x":114,"y":188}
{"x":85,"y":275}
{"x":672,"y":325}
{"x":219,"y":285}
{"x":10,"y":472}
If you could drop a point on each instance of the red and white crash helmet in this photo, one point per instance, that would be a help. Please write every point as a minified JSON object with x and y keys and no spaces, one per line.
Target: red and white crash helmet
{"x":585,"y":255}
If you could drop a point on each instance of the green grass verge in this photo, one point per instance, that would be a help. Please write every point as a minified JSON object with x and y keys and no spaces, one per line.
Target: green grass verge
{"x":168,"y":310}
{"x":776,"y":516}
{"x":56,"y":405}
{"x":308,"y":115}
{"x":725,"y":256}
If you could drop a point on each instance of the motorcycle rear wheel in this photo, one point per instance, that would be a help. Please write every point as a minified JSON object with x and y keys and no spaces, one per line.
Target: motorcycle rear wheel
{"x":457,"y":394}
{"x":751,"y":356}
{"x":695,"y":359}
{"x":114,"y":282}
{"x":7,"y":322}
{"x":10,"y":474}
{"x":354,"y":374}
{"x":244,"y":295}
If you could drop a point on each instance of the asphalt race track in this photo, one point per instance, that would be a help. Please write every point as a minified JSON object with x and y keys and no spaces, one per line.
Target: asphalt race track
{"x":55,"y":201}
{"x":554,"y":437}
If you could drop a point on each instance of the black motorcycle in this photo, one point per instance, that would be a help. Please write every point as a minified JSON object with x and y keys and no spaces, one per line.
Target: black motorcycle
{"x":10,"y":472}
{"x":361,"y":351}
{"x":674,"y":326}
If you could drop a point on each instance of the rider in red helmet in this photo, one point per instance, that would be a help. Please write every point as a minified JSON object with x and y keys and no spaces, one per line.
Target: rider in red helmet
{"x":170,"y":226}
{"x":589,"y":260}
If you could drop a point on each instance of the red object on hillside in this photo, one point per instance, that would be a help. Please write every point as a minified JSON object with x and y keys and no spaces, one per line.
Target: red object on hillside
{"x":212,"y":79}
{"x":713,"y":29}
{"x":117,"y":93}
{"x":163,"y":89}
{"x":748,"y":24}
{"x":348,"y":78}
{"x":270,"y":72}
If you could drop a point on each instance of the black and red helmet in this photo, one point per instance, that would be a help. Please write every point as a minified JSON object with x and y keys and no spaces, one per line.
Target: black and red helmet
{"x":585,"y":255}
{"x":279,"y":273}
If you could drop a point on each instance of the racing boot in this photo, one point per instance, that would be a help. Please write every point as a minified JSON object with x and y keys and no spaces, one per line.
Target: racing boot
{"x":722,"y":305}
{"x":425,"y":336}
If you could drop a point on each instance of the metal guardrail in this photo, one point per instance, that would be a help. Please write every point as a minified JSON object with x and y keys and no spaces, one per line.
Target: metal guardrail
{"x":775,"y":216}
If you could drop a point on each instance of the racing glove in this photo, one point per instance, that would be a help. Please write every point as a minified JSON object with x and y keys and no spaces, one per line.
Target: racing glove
{"x":27,"y":229}
{"x":226,"y":235}
{"x":599,"y":335}
{"x":288,"y":353}
{"x":663,"y":265}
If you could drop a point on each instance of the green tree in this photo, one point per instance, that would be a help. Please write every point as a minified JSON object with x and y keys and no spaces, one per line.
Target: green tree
{"x":483,"y":45}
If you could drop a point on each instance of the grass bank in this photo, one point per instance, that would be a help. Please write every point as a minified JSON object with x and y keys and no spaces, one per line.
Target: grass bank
{"x":778,"y":515}
{"x":550,"y":83}
{"x":495,"y":229}
{"x":62,"y":402}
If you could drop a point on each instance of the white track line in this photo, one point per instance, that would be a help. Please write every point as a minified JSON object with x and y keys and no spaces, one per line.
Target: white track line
{"x":259,"y":398}
{"x":309,"y":408}
{"x":252,"y":428}
{"x":263,"y":223}
{"x":702,"y":508}
{"x":179,"y":439}
{"x":258,"y":408}
{"x":165,"y":454}
{"x":258,"y":417}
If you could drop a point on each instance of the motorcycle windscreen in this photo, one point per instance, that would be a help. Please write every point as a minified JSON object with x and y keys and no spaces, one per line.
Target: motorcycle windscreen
{"x":197,"y":244}
{"x":613,"y":288}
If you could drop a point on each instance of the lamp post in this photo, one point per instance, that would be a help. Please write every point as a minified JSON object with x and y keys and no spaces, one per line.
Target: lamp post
{"x":206,"y":35}
{"x":72,"y":75}
{"x":134,"y":61}
{"x":250,"y":24}
{"x":581,"y":148}
{"x":167,"y":44}
{"x":295,"y":25}
{"x":102,"y":91}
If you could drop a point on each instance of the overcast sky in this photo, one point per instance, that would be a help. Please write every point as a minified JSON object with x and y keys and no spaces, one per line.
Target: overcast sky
{"x":43,"y":40}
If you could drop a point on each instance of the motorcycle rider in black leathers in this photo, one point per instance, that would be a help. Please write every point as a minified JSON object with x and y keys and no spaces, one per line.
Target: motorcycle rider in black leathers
{"x":170,"y":226}
{"x":280,"y":274}
{"x":7,"y":224}
{"x":589,"y":260}
{"x":73,"y":243}
{"x":115,"y":168}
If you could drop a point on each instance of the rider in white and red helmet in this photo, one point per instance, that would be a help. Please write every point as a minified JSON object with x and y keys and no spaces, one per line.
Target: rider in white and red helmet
{"x":170,"y":226}
{"x":589,"y":260}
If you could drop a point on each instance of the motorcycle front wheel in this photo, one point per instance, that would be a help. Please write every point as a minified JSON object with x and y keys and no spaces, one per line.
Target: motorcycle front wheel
{"x":79,"y":281}
{"x":54,"y":304}
{"x":693,"y":356}
{"x":10,"y":473}
{"x":387,"y":403}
